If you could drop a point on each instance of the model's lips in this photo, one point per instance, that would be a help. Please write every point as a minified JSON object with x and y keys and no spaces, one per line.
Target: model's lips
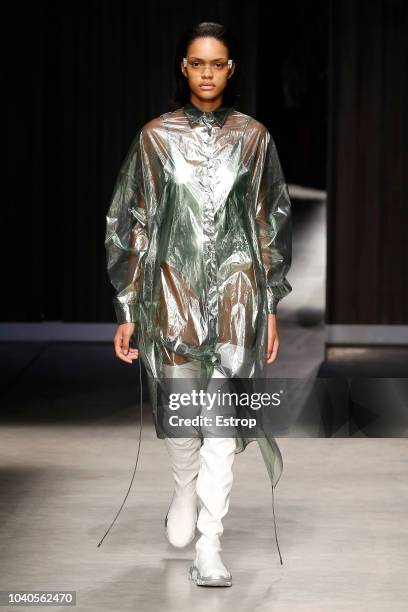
{"x":207,"y":86}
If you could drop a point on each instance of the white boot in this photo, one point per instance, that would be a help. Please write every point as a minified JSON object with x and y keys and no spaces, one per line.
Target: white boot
{"x":214,"y":484}
{"x":181,"y":518}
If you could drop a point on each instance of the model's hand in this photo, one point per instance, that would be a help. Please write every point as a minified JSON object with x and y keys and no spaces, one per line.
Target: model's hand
{"x":273,"y":339}
{"x":121,"y":343}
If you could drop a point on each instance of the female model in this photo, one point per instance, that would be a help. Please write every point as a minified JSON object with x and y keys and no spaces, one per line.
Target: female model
{"x":198,"y":246}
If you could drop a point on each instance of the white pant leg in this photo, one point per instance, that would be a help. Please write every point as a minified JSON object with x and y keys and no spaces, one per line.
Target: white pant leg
{"x":184,"y":456}
{"x":183,"y":452}
{"x":214,"y":484}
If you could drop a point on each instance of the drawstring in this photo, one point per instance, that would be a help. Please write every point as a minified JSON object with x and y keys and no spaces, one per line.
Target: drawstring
{"x":137,"y":458}
{"x":274,"y":522}
{"x":134,"y":472}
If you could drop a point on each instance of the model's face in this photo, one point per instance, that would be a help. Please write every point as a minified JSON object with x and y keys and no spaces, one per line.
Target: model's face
{"x":207,"y":58}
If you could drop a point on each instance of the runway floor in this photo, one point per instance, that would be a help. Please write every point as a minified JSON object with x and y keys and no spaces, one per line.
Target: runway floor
{"x":341,"y":509}
{"x":68,"y":444}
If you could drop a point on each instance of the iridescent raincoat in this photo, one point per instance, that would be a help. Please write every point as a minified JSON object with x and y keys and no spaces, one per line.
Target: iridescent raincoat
{"x":198,"y":242}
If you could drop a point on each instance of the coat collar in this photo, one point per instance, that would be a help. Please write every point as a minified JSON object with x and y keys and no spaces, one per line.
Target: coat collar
{"x":194,"y":113}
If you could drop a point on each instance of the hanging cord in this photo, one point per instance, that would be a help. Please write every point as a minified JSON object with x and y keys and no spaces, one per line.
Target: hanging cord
{"x":274,"y":522}
{"x":137,"y":457}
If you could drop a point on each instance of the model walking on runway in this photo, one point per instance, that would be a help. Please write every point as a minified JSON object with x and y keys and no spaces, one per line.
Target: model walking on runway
{"x":198,"y":246}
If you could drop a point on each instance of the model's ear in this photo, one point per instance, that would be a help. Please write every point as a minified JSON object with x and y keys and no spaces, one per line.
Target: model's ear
{"x":232,"y":70}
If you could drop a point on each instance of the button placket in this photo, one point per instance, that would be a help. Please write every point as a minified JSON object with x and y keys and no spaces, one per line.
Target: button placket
{"x":209,"y":230}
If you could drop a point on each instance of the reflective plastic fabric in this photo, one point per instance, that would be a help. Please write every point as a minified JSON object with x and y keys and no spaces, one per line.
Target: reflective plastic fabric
{"x":198,"y":241}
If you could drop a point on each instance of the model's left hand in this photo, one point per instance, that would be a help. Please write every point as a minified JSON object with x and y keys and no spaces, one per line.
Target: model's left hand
{"x":273,"y":339}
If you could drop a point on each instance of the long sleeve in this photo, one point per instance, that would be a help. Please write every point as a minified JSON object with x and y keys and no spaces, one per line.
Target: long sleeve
{"x":126,"y":239}
{"x":274,"y":226}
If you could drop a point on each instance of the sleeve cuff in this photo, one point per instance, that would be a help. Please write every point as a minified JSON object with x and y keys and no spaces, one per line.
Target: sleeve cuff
{"x":125,"y":313}
{"x":271,"y":301}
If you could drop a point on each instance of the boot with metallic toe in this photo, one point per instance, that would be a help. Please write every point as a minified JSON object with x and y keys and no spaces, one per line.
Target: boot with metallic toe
{"x":214,"y":484}
{"x":208,"y":568}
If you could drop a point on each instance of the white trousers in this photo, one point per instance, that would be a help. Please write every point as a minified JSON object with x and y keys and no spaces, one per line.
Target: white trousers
{"x":208,"y":466}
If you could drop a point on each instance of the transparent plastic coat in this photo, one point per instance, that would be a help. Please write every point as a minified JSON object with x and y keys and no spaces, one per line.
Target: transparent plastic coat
{"x":198,"y":242}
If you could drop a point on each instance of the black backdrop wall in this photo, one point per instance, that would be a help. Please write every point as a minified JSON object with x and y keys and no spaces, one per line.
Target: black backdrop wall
{"x":81,"y":79}
{"x":367,"y":257}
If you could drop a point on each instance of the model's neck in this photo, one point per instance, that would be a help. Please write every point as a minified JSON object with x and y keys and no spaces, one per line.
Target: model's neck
{"x":206,"y":105}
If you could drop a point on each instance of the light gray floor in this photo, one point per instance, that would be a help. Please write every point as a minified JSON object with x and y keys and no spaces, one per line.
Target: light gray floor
{"x":341,"y":508}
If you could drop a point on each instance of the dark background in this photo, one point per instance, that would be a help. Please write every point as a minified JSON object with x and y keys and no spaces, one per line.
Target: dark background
{"x":328,"y":79}
{"x":83,"y":77}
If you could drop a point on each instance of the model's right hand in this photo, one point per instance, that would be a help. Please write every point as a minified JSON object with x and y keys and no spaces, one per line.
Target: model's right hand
{"x":121,"y":343}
